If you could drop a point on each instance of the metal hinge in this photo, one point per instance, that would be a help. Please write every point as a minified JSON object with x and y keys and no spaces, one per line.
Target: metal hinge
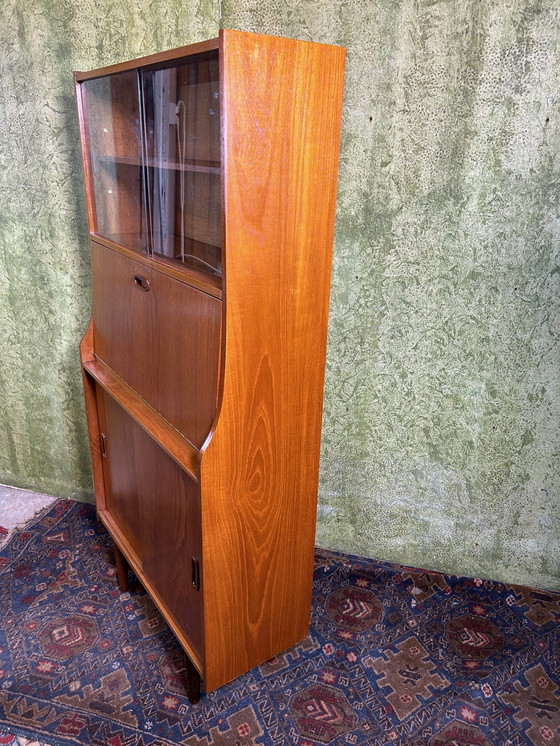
{"x":196,"y":573}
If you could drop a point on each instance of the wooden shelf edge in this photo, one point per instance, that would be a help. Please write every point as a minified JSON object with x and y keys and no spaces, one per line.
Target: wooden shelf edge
{"x":162,"y":164}
{"x":170,"y":440}
{"x":132,"y":558}
{"x":178,"y":271}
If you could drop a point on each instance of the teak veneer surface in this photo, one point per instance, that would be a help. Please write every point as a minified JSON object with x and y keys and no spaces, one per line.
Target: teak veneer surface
{"x":164,"y":342}
{"x":157,"y":508}
{"x":281,"y":108}
{"x":171,"y":440}
{"x":210,"y":284}
{"x":237,"y":370}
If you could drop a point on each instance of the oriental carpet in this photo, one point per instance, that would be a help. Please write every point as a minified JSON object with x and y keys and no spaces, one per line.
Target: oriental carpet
{"x":395,"y":655}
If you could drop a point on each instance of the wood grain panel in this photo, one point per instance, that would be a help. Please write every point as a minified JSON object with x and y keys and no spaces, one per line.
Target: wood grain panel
{"x":172,"y":536}
{"x":122,"y":493}
{"x":172,"y":441}
{"x":190,"y":276}
{"x":122,"y":543}
{"x":186,"y":356}
{"x":165,"y":343}
{"x":156,"y":507}
{"x":123,"y":318}
{"x":281,"y":104}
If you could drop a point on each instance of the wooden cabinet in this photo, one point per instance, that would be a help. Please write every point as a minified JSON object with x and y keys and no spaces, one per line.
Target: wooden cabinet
{"x":211,"y":188}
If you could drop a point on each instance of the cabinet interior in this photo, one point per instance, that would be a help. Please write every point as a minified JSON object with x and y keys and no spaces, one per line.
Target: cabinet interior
{"x":154,"y":153}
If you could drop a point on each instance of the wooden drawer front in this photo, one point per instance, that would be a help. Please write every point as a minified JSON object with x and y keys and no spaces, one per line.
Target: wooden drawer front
{"x":156,"y":506}
{"x":164,"y":342}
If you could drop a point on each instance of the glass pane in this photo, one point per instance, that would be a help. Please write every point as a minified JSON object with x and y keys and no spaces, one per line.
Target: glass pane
{"x":182,"y":110}
{"x":115,"y":142}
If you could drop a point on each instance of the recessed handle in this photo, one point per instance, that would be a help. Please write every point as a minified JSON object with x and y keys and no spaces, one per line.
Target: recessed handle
{"x":142,"y":282}
{"x":196,"y":573}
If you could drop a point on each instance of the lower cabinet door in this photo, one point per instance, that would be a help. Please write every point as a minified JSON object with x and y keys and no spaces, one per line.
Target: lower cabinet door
{"x":155,"y":508}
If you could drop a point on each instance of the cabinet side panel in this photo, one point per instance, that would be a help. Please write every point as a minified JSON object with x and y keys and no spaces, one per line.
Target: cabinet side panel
{"x":281,"y":115}
{"x":90,"y":398}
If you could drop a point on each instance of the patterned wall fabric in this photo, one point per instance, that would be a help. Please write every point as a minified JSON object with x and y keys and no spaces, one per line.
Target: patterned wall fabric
{"x":44,"y":258}
{"x":440,"y":442}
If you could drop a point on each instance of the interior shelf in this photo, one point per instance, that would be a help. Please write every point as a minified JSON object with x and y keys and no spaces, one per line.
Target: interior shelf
{"x":176,"y":445}
{"x":171,"y":165}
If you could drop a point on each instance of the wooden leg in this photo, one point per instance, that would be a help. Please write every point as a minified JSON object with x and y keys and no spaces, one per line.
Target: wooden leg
{"x":193,"y":682}
{"x":122,"y":569}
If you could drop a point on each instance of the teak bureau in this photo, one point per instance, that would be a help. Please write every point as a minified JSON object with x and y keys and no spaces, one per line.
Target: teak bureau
{"x":211,"y":176}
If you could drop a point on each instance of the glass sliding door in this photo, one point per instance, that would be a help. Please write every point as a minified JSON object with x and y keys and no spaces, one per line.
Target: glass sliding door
{"x":182,"y":126}
{"x":114,"y":136}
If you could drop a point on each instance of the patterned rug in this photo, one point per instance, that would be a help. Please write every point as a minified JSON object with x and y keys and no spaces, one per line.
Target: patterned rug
{"x":395,"y":656}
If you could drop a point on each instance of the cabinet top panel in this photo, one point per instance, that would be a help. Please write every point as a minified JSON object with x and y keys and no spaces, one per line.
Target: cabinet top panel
{"x":170,"y":55}
{"x":151,"y":60}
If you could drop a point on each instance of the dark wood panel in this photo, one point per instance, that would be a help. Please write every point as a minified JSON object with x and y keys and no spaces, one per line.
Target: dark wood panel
{"x":156,"y":507}
{"x":189,"y":275}
{"x":123,"y":319}
{"x":172,"y":536}
{"x":120,"y":471}
{"x":186,"y":356}
{"x":165,"y":342}
{"x":193,"y":653}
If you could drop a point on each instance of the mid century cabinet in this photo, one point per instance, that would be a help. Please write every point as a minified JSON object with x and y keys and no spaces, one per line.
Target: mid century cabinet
{"x":211,"y":177}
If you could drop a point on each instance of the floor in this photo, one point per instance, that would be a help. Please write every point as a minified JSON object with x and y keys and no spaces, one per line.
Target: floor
{"x":461,"y":661}
{"x":17,"y":507}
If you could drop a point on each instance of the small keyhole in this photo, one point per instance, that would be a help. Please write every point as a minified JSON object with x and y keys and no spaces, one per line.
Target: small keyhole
{"x":141,"y":282}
